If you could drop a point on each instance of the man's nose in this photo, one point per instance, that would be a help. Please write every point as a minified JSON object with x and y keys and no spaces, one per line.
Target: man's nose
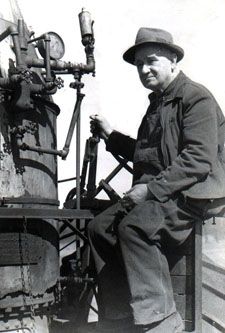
{"x":145,"y":69}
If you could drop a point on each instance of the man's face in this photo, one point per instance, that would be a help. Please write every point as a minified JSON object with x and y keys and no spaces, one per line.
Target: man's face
{"x":155,"y":67}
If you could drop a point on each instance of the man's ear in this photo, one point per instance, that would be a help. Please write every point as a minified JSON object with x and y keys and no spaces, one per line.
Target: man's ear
{"x":173,"y":62}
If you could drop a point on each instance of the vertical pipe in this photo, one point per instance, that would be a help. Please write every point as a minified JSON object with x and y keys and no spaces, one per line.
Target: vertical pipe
{"x":22,"y":35}
{"x":78,"y":162}
{"x":77,"y":239}
{"x":21,"y":28}
{"x":17,"y":49}
{"x":47,"y":40}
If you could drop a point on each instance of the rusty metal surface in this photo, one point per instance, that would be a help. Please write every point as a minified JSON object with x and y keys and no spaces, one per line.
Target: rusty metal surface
{"x":10,"y":250}
{"x":34,"y":253}
{"x":26,"y":173}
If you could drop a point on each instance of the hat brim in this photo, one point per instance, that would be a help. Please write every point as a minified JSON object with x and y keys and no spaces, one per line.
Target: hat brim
{"x":129,"y":55}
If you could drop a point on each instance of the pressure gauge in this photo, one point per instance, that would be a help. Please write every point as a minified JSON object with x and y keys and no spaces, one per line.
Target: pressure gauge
{"x":57,"y":48}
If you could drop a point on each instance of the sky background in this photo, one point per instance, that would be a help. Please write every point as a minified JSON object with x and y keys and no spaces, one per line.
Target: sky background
{"x":115,"y":92}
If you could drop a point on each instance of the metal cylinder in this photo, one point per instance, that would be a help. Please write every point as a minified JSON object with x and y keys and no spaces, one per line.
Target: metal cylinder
{"x":85,"y":23}
{"x":29,"y":261}
{"x":30,"y":177}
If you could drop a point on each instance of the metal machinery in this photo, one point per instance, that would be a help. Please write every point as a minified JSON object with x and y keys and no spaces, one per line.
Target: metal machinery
{"x":29,"y":214}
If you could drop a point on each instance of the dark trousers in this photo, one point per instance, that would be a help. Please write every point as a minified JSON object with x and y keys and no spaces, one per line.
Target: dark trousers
{"x":129,"y":253}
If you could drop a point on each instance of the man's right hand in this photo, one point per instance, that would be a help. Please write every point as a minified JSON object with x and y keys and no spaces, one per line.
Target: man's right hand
{"x":100,"y":126}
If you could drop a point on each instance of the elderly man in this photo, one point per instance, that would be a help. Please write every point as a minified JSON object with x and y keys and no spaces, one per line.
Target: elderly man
{"x":178,"y":172}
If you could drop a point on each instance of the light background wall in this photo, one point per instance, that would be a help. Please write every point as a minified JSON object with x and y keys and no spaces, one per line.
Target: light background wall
{"x":115,"y":92}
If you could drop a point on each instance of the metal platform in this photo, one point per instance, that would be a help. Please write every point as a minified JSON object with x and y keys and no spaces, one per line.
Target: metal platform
{"x":35,"y":213}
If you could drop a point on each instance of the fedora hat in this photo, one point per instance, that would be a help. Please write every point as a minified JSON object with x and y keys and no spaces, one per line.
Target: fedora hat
{"x":155,"y":37}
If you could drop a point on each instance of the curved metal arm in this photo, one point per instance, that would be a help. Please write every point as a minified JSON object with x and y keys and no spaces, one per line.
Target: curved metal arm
{"x":73,"y":121}
{"x":65,"y":151}
{"x":12,"y":30}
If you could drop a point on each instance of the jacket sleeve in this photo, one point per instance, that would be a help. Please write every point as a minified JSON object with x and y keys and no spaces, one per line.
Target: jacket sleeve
{"x":199,"y":146}
{"x":120,"y":144}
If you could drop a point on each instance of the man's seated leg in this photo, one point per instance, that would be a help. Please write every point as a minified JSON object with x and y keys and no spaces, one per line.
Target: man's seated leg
{"x":132,"y":269}
{"x":113,"y":292}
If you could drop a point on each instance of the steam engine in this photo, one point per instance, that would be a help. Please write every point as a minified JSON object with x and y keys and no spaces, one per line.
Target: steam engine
{"x":29,"y":206}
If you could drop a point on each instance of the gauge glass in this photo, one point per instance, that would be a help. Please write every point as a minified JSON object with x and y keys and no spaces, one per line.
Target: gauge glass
{"x":57,"y":48}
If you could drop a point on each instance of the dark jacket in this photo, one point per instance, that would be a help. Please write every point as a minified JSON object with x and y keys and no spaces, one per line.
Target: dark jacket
{"x":192,"y":143}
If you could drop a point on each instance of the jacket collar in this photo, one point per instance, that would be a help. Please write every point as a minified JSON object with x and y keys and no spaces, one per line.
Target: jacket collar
{"x":172,"y":92}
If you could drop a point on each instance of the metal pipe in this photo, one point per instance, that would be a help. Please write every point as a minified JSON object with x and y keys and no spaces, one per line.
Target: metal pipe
{"x":47,"y":40}
{"x":123,"y":162}
{"x":23,"y":146}
{"x":65,"y":246}
{"x":67,"y":235}
{"x":40,"y":63}
{"x":78,"y":194}
{"x":63,"y":65}
{"x":64,"y":152}
{"x":22,"y":35}
{"x":110,"y":177}
{"x":76,"y":230}
{"x":19,"y":62}
{"x":73,"y":122}
{"x":66,"y":180}
{"x":10,"y":30}
{"x":35,"y":39}
{"x":78,"y":163}
{"x":90,"y":66}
